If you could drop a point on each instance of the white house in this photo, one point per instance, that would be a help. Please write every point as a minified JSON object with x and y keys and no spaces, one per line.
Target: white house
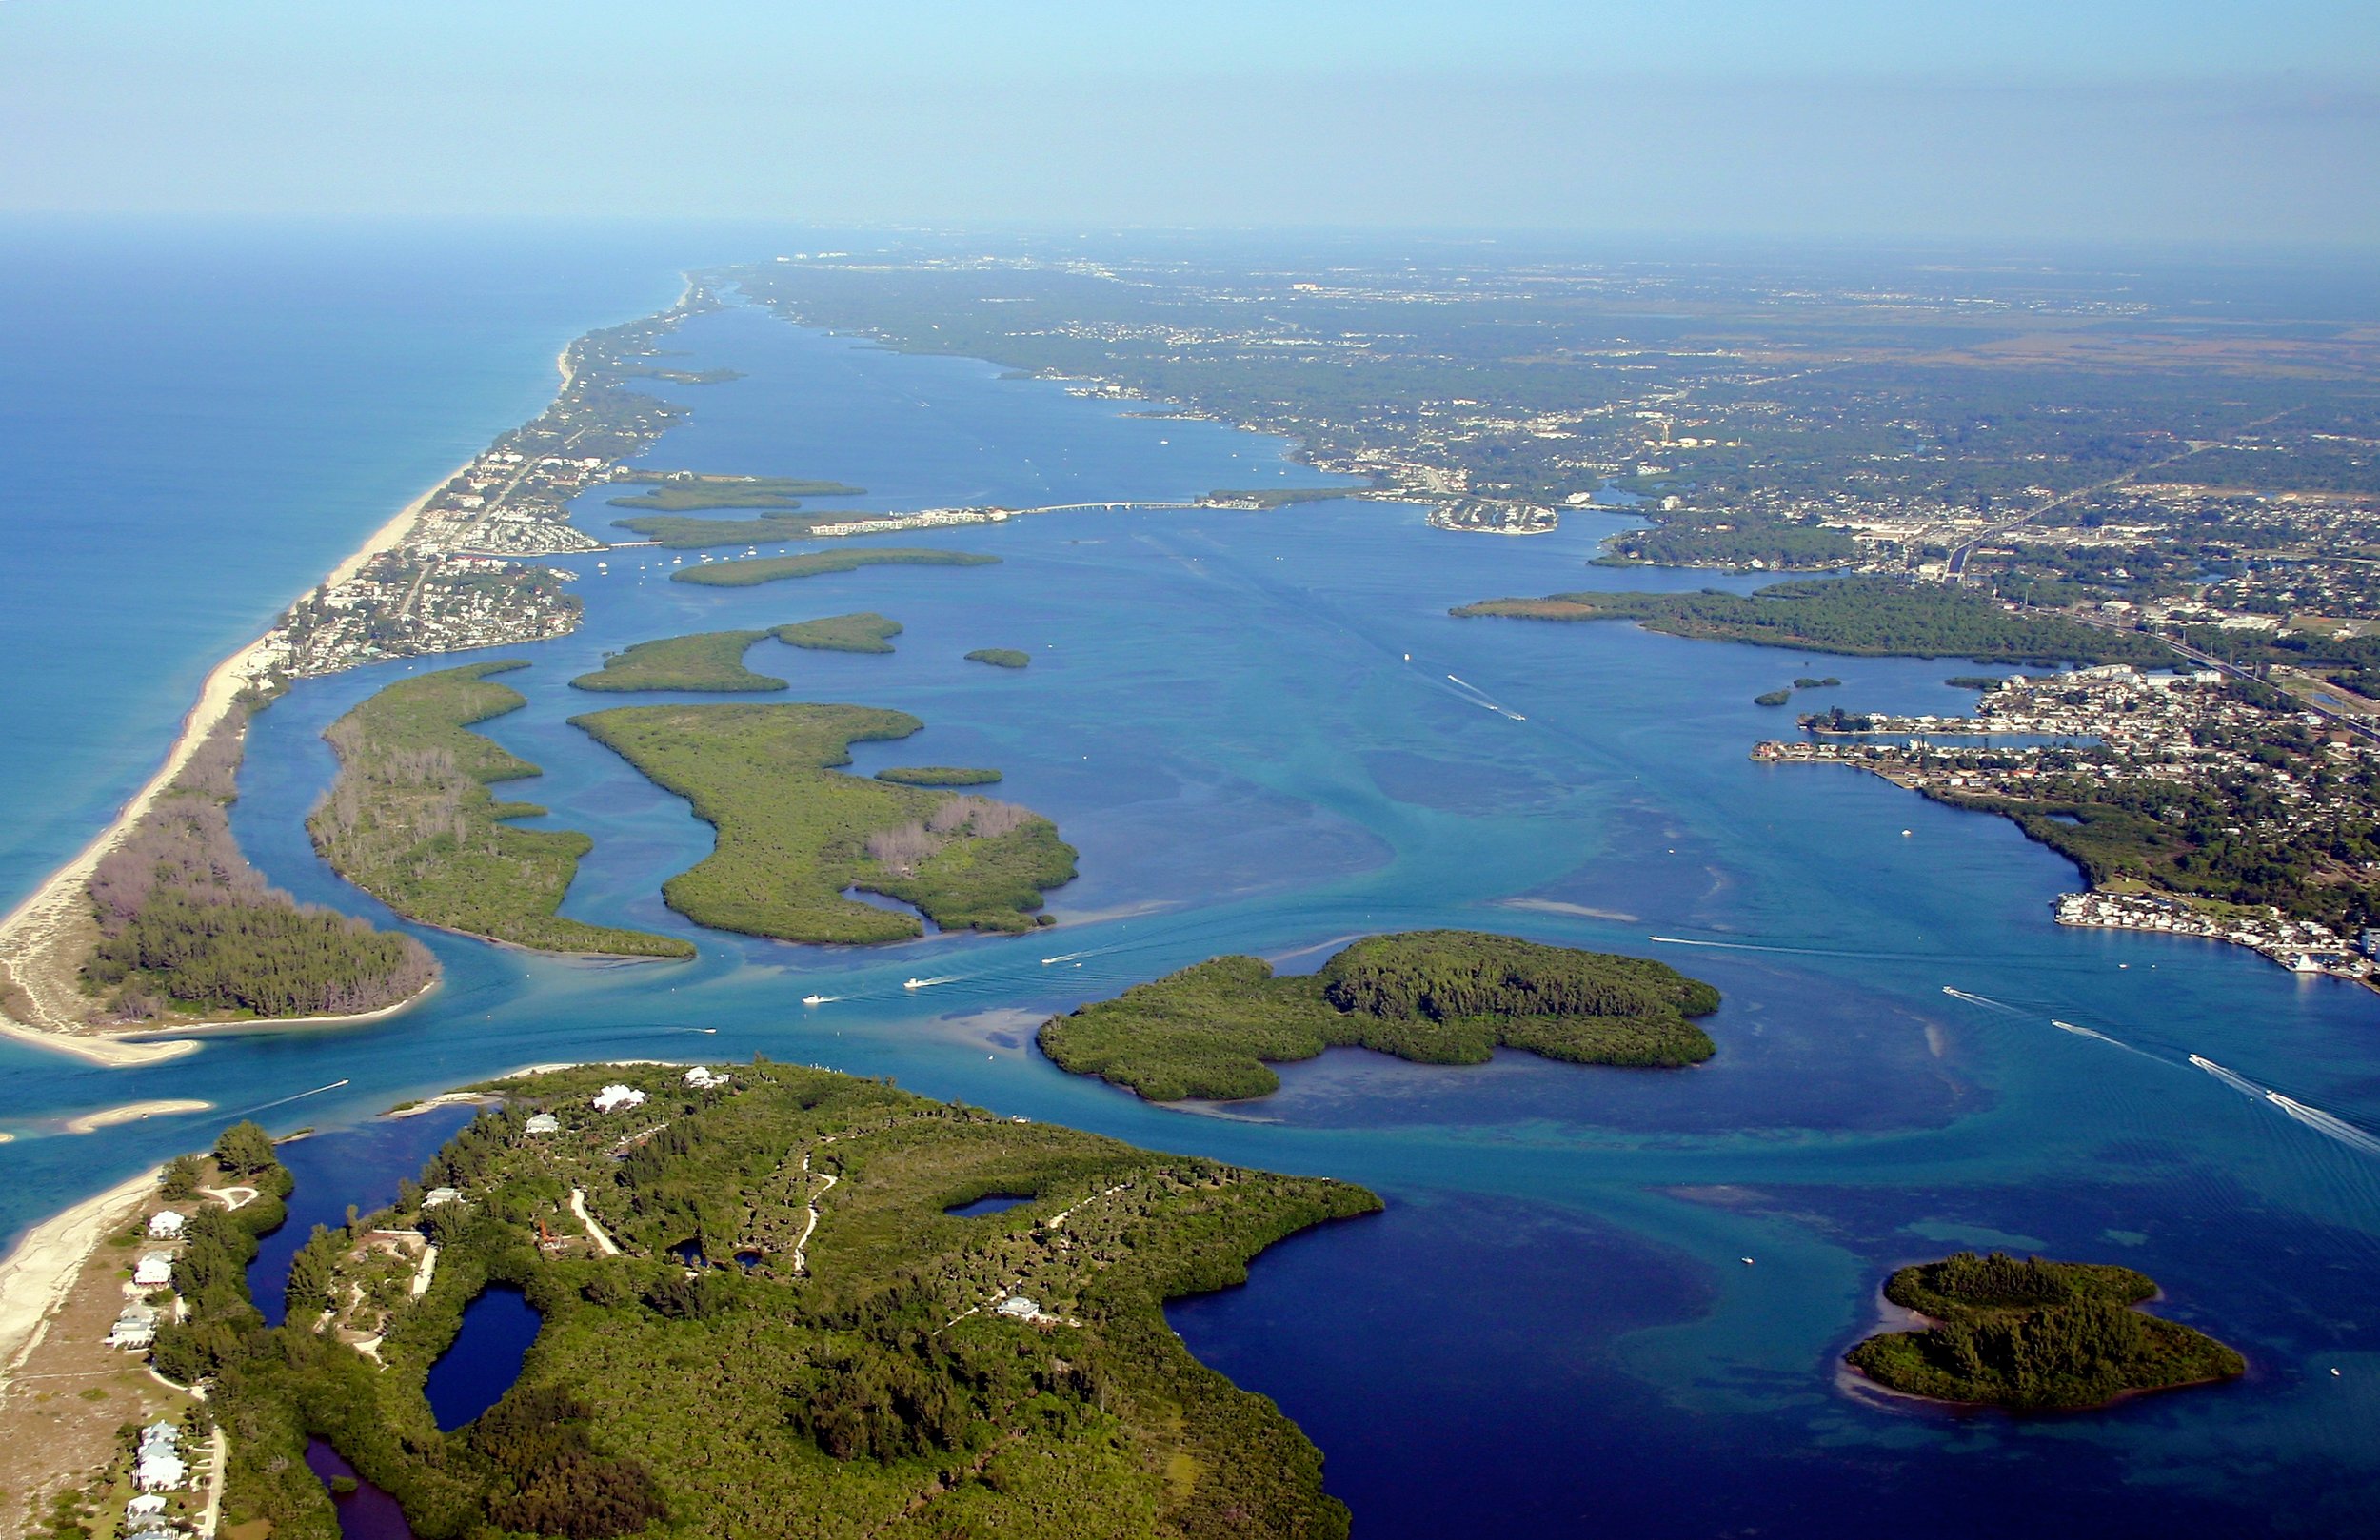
{"x":153,"y":1270}
{"x":1017,"y":1308}
{"x":161,"y":1434}
{"x":135,"y":1328}
{"x":542,"y":1123}
{"x":702,"y":1079}
{"x":160,"y":1471}
{"x":147,"y":1506}
{"x":438,"y":1197}
{"x":165,"y":1225}
{"x":613,"y":1099}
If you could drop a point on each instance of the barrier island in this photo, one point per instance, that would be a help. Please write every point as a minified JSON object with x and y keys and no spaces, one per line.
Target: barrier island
{"x":755,"y":1313}
{"x":410,"y":821}
{"x":688,"y":491}
{"x":2035,"y":1336}
{"x":863,"y":632}
{"x":795,"y":833}
{"x":746,"y":571}
{"x":1431,"y":996}
{"x":705,"y":660}
{"x":1860,"y":615}
{"x":1000,"y":656}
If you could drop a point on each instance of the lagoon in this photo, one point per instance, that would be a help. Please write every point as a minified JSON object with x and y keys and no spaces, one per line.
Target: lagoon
{"x":1550,"y":1330}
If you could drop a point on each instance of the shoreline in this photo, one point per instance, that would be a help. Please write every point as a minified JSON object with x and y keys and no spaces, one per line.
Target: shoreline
{"x":33,"y":923}
{"x":45,"y":1263}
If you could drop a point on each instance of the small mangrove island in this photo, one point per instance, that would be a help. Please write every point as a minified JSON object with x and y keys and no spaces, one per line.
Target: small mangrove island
{"x":753,"y":1312}
{"x":795,"y":834}
{"x":1433,"y":997}
{"x":707,"y":660}
{"x":2035,"y":1336}
{"x":690,"y":492}
{"x":410,"y":821}
{"x":863,"y":632}
{"x":1000,"y":656}
{"x":937,"y":775}
{"x":746,"y":571}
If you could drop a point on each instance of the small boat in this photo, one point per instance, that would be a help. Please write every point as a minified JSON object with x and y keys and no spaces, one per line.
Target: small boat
{"x":816,"y":999}
{"x":926,"y":983}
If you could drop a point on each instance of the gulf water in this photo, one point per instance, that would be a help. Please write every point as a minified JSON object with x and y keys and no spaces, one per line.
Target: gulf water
{"x":1264,"y":733}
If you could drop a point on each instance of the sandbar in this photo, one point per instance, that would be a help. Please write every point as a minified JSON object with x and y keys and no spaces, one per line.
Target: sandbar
{"x":131,"y":1111}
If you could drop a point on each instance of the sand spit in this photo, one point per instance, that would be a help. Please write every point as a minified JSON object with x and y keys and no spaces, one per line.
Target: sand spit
{"x":131,"y":1111}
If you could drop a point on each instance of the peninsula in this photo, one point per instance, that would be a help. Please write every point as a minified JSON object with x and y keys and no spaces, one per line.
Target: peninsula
{"x":796,"y":835}
{"x":705,"y":660}
{"x":2035,"y":1336}
{"x":1433,"y":997}
{"x":448,"y":571}
{"x":756,"y":1302}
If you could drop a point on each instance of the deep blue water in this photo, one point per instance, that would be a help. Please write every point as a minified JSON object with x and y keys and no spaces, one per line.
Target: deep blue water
{"x":365,"y":1514}
{"x":997,"y":1203}
{"x":1245,"y":722}
{"x":473,"y":1374}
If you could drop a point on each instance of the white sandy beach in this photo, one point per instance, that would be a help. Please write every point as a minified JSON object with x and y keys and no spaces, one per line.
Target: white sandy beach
{"x":35,"y":1276}
{"x":36,"y":924}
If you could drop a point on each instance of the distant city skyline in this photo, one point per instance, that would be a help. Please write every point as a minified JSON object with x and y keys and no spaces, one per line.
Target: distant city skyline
{"x":2114,"y":121}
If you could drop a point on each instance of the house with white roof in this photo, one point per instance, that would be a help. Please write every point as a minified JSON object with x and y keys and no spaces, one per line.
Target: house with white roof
{"x":162,"y":1470}
{"x":165,"y":1225}
{"x":542,"y":1123}
{"x":614,"y":1098}
{"x":153,"y":1270}
{"x":135,"y":1328}
{"x":702,"y":1079}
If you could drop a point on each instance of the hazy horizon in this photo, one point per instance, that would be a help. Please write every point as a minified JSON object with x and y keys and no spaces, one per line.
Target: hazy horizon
{"x":2117,"y":122}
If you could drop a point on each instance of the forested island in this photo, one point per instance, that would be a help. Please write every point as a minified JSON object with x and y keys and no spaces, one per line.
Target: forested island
{"x":744,"y":572}
{"x":688,"y":491}
{"x":754,"y":1305}
{"x":863,"y":632}
{"x":410,"y":820}
{"x":2035,"y":1336}
{"x":188,"y":928}
{"x":795,"y":833}
{"x":1000,"y":656}
{"x":1211,"y":1030}
{"x":705,"y":660}
{"x":1862,"y":616}
{"x":937,"y":775}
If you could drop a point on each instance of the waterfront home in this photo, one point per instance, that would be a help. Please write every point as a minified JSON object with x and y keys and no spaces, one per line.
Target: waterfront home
{"x":542,"y":1123}
{"x":135,"y":1328}
{"x":613,"y":1099}
{"x":162,"y":1470}
{"x":154,"y":1269}
{"x":165,"y":1225}
{"x":438,"y":1197}
{"x":702,"y":1079}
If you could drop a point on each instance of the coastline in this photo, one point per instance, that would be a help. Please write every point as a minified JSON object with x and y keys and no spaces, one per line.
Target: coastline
{"x":43,"y":1266}
{"x":36,"y":922}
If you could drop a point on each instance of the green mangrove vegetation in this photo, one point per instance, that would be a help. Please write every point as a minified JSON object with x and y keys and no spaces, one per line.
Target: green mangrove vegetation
{"x":686,"y":491}
{"x":2034,"y":1336}
{"x":682,"y":532}
{"x":863,"y":632}
{"x":840,"y":1356}
{"x":1431,"y":996}
{"x":1772,"y":698}
{"x":1000,"y":656}
{"x":410,"y":821}
{"x":705,"y":660}
{"x":795,"y":834}
{"x":746,"y":571}
{"x":937,"y":775}
{"x":1866,"y":616}
{"x":186,"y":926}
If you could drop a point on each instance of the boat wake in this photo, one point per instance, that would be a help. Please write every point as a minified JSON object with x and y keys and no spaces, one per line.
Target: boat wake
{"x":299,"y":1097}
{"x":929,"y":983}
{"x":1480,"y":698}
{"x":1973,"y":999}
{"x":820,"y":999}
{"x":2327,"y":1124}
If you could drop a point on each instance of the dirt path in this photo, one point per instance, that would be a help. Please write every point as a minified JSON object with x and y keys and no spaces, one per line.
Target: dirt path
{"x":594,"y":1231}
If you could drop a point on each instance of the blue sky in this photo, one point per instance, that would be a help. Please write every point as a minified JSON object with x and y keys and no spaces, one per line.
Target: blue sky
{"x":2092,"y":119}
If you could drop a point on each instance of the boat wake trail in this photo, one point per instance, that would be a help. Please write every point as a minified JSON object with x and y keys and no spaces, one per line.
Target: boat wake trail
{"x":1973,"y":999}
{"x":2101,"y":1036}
{"x":929,"y":983}
{"x":299,"y":1097}
{"x":2327,"y":1124}
{"x":1480,"y":698}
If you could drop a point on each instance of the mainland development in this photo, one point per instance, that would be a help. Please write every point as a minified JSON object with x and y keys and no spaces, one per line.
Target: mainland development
{"x":2150,"y":559}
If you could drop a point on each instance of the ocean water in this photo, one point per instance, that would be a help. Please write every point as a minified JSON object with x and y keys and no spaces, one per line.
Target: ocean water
{"x":1264,"y":733}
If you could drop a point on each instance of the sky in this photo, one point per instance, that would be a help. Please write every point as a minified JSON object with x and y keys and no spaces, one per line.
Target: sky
{"x":2206,"y":121}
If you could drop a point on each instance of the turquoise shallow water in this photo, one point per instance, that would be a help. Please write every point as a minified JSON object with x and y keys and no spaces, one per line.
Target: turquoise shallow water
{"x":1247,"y":723}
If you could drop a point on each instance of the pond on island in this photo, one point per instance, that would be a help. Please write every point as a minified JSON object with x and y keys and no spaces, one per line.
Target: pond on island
{"x":474,"y":1373}
{"x":365,"y":1511}
{"x":996,"y":1203}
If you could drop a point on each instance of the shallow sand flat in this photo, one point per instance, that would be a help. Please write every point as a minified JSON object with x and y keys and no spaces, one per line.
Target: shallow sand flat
{"x":36,"y":1276}
{"x":131,"y":1111}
